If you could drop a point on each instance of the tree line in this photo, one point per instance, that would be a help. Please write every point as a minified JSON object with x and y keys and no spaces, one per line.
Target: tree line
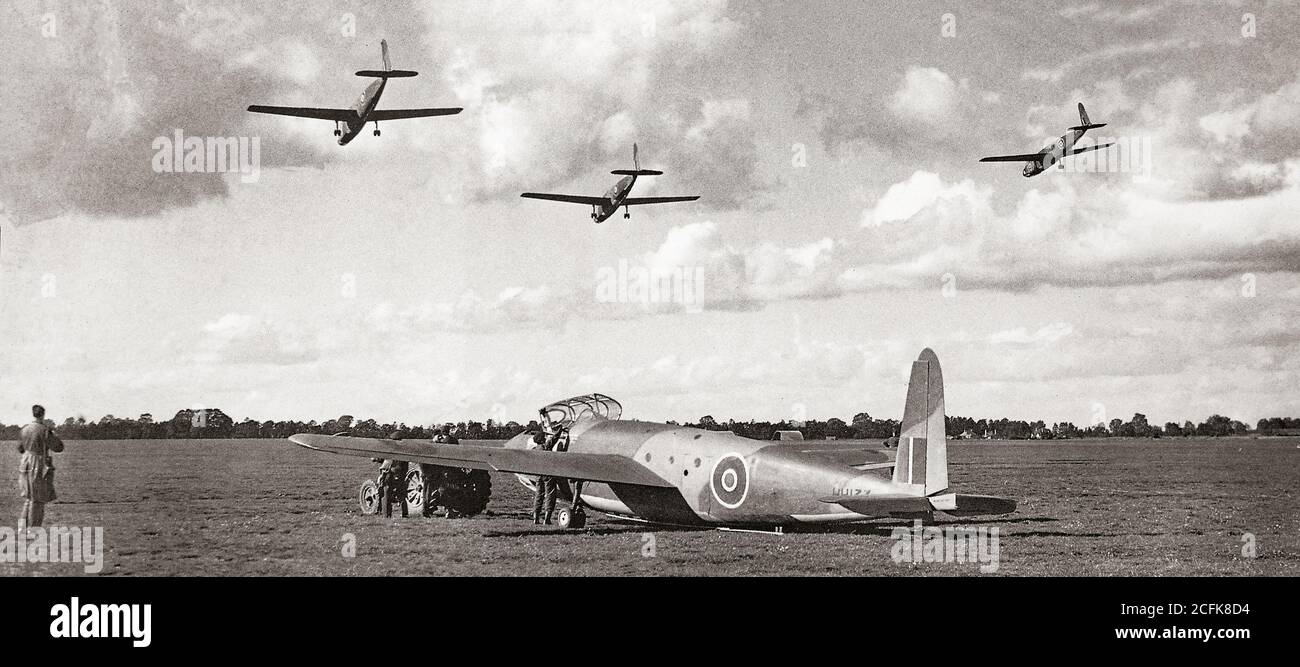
{"x":213,"y":423}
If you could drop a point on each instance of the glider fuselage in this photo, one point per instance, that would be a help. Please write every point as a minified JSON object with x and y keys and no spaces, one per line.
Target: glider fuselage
{"x":615,"y":195}
{"x":365,"y":104}
{"x":718,"y":477}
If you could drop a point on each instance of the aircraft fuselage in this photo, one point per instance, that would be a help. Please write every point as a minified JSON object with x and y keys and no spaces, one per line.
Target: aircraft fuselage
{"x":364,"y":105}
{"x":719,"y":478}
{"x":615,"y":196}
{"x":1053,"y":153}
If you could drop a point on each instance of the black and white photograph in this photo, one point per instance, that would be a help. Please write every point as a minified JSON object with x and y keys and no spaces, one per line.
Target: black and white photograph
{"x":682,"y":289}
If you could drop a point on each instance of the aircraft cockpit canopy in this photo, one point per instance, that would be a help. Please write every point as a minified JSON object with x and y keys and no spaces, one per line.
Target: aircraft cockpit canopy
{"x":579,"y":408}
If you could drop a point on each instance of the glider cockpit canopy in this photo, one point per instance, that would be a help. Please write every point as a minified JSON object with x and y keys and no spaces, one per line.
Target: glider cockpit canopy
{"x":566,"y":413}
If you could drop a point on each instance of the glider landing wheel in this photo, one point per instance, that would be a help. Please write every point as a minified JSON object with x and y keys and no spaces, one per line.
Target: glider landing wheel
{"x":569,"y":519}
{"x":369,"y":497}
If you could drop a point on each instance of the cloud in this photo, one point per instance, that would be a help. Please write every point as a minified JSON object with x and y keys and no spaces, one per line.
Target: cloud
{"x":1106,"y":54}
{"x":238,"y":338}
{"x":744,"y":278}
{"x":597,"y":77}
{"x":926,"y":111}
{"x":1067,"y":236}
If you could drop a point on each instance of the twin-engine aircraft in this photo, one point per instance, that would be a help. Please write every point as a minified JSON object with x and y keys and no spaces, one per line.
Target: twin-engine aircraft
{"x":602,"y":208}
{"x":363,"y":111}
{"x":679,"y":475}
{"x":1037,"y":163}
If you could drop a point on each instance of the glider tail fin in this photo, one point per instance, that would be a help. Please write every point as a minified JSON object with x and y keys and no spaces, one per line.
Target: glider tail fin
{"x":387,"y":72}
{"x":1084,"y":123}
{"x":922,"y":438}
{"x":636,"y":169}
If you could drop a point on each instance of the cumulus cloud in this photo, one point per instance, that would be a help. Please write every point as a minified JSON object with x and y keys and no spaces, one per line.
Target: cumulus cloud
{"x":116,"y":76}
{"x":597,"y":77}
{"x":926,"y":110}
{"x":1067,"y":236}
{"x":238,"y":338}
{"x":745,"y":277}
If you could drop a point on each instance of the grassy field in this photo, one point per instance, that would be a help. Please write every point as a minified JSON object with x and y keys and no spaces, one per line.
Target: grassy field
{"x":263,"y":508}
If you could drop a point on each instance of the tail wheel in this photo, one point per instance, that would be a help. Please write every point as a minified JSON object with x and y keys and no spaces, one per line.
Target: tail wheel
{"x":369,"y":497}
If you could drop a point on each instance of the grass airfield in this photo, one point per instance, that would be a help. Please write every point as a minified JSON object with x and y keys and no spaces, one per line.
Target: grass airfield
{"x":1173,"y":507}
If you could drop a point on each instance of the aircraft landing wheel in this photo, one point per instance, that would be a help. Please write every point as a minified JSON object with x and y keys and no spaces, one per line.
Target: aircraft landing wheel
{"x":376,"y":133}
{"x":369,"y":497}
{"x":571,"y":520}
{"x":627,"y":216}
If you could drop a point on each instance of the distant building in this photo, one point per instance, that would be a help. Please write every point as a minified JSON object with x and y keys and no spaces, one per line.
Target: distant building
{"x":787,"y":435}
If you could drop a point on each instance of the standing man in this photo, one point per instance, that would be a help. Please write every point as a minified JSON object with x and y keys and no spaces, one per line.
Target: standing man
{"x":392,"y":486}
{"x":547,"y":486}
{"x":36,"y":468}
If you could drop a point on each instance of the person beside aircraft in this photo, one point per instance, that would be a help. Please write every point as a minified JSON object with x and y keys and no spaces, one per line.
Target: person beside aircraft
{"x":547,"y":486}
{"x":392,"y":486}
{"x":36,"y":468}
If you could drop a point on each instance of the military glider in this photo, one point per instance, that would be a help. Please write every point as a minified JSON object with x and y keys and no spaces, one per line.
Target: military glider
{"x":605,"y":206}
{"x":363,"y":110}
{"x":668,"y":474}
{"x":1053,"y":153}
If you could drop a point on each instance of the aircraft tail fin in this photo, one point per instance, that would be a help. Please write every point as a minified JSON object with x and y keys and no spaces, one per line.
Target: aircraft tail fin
{"x":387,"y":72}
{"x":636,"y":169}
{"x":1084,"y":123}
{"x":922,"y":458}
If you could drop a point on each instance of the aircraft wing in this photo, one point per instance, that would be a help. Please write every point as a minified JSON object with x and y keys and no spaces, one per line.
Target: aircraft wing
{"x":398,"y":114}
{"x":306,"y":112}
{"x":1027,"y":157}
{"x":637,"y":201}
{"x":607,"y":468}
{"x":1085,"y":149}
{"x":572,"y":199}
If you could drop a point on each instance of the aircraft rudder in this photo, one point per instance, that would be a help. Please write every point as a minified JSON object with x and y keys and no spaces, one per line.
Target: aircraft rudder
{"x":383,"y":48}
{"x":922,"y":438}
{"x":1083,"y":116}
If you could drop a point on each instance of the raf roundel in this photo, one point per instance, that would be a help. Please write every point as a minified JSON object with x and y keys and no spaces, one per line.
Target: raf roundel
{"x":730,"y":480}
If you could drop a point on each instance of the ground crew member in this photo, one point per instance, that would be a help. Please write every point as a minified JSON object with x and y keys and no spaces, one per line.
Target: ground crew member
{"x":36,"y":468}
{"x":433,"y":479}
{"x":547,"y":486}
{"x":392,"y":486}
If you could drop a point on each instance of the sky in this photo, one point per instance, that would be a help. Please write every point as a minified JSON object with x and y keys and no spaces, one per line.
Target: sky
{"x":845,"y":222}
